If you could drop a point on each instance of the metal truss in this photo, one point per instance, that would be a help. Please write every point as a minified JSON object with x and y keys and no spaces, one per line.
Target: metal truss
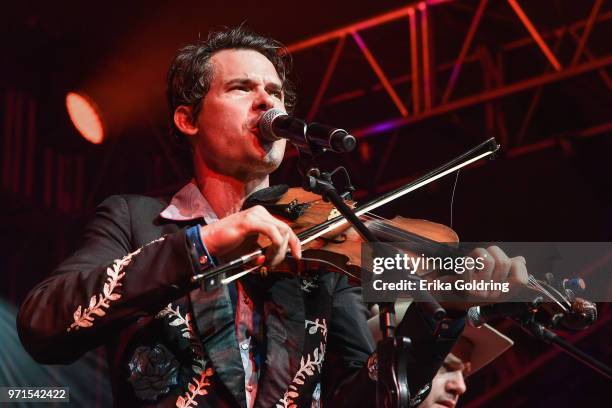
{"x":427,"y":88}
{"x":430,"y":96}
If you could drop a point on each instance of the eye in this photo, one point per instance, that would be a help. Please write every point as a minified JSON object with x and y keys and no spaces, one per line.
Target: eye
{"x":277,"y":93}
{"x":242,"y":88}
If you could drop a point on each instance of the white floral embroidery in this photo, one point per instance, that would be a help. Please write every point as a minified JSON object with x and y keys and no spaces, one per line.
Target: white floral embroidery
{"x":97,"y":303}
{"x":198,"y":387}
{"x":315,"y":326}
{"x":308,"y":284}
{"x":188,"y":332}
{"x":308,"y":366}
{"x":198,"y":384}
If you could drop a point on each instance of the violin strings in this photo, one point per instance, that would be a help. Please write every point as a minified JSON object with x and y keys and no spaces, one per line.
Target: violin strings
{"x":395,"y":229}
{"x":548,"y":288}
{"x":384,"y":223}
{"x":386,"y":226}
{"x":565,"y":298}
{"x":535,"y":284}
{"x":376,"y":226}
{"x":552,"y":288}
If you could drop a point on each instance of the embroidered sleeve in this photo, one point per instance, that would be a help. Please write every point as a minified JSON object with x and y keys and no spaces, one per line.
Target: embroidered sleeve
{"x":101,"y":301}
{"x":103,"y":285}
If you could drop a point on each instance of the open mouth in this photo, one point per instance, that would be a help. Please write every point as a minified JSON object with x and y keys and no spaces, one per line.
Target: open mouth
{"x":257,"y":134}
{"x":265,"y":144}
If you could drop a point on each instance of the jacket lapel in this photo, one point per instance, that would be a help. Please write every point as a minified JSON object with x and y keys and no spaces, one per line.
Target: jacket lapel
{"x":284,"y":322}
{"x":214,"y":320}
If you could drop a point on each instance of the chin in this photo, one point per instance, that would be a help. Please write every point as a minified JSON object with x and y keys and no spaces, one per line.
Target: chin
{"x":260,"y":166}
{"x":274,"y":157}
{"x":269,"y":166}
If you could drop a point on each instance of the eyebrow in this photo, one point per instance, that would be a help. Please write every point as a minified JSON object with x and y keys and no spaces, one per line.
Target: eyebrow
{"x":453,"y":363}
{"x":249,"y":82}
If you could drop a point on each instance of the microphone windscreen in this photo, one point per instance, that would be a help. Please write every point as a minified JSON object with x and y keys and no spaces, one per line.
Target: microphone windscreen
{"x":473,"y":317}
{"x":265,"y":123}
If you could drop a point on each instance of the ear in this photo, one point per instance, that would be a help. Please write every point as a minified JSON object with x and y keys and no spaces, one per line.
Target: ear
{"x":183,"y":120}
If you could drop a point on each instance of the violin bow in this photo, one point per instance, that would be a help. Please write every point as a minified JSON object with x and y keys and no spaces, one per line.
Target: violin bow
{"x":484,"y":149}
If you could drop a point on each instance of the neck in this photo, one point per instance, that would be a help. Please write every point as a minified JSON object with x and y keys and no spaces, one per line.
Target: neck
{"x":226,"y":194}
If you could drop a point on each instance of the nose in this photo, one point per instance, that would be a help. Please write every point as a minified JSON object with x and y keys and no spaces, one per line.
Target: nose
{"x":456,"y":383}
{"x":263,"y":101}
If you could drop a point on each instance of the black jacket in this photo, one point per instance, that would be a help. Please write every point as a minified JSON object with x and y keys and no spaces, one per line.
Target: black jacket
{"x":169,"y":343}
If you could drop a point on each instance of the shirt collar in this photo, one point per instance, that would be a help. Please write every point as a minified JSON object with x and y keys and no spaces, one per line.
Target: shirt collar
{"x":189,"y":204}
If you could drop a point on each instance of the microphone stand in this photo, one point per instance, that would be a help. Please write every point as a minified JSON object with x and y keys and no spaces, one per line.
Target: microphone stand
{"x":394,"y":354}
{"x":528,"y":323}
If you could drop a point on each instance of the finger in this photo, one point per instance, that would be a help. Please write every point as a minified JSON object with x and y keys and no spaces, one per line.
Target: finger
{"x":263,"y":214}
{"x":487,"y":261}
{"x":518,"y":275}
{"x":293,"y":240}
{"x":285,"y":237}
{"x":296,"y":247}
{"x":275,"y":235}
{"x":280,"y":252}
{"x":256,"y":223}
{"x":484,"y":273}
{"x":502,"y":263}
{"x":502,"y":267}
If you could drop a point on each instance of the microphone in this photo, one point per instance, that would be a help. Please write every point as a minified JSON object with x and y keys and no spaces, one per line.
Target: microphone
{"x":479,"y":315}
{"x":275,"y":124}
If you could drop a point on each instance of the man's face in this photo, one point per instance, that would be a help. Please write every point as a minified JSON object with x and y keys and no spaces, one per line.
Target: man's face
{"x":448,"y":384}
{"x":244,"y":85}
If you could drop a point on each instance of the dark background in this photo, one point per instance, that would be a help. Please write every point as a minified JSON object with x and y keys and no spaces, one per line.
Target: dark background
{"x":550,"y":182}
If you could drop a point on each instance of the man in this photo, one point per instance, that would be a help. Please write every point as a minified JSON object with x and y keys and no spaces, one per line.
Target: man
{"x":265,"y":341}
{"x":474,"y":349}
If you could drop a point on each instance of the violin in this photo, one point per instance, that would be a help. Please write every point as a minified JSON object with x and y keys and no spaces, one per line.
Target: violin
{"x":328,"y":240}
{"x":321,"y":221}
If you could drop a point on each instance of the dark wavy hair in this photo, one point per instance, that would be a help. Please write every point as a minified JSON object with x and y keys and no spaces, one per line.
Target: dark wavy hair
{"x":190,"y":72}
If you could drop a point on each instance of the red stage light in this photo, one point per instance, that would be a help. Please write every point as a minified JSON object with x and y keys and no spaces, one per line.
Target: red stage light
{"x":85,"y":116}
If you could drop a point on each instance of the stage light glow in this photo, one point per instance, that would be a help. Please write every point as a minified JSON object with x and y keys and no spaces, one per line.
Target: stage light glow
{"x":85,"y":116}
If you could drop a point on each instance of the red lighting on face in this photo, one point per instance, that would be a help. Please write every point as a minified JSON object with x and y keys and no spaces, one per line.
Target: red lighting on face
{"x":85,"y":116}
